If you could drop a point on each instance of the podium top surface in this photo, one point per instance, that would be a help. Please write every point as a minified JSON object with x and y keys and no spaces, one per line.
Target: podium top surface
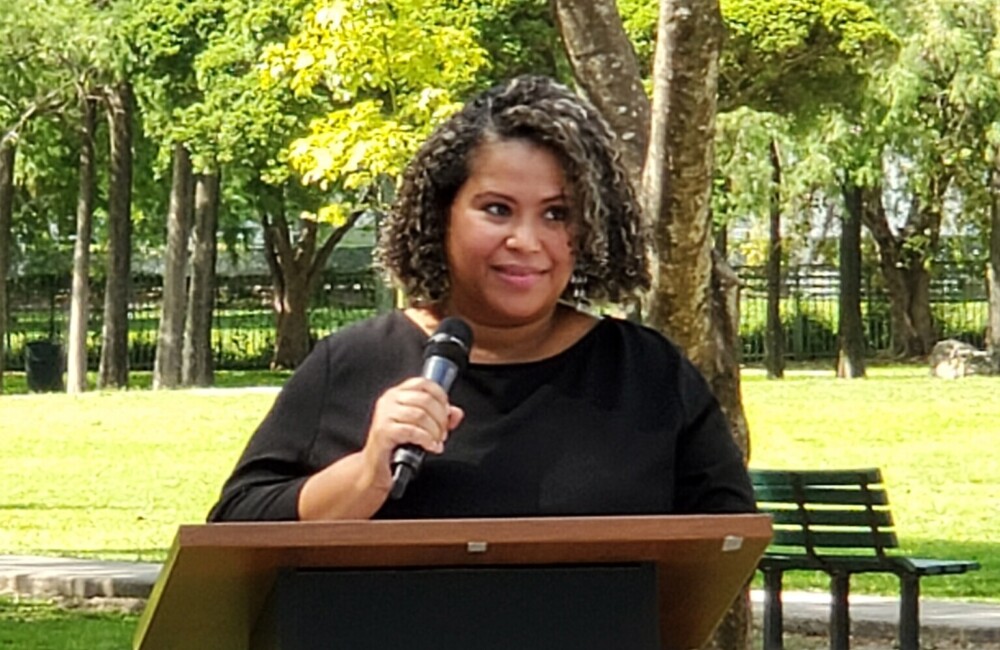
{"x":218,"y":575}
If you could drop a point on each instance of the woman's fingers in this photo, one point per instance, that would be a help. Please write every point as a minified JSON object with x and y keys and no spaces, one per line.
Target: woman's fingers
{"x":414,"y":412}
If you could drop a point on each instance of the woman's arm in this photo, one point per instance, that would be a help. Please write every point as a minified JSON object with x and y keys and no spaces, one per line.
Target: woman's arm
{"x":354,"y":487}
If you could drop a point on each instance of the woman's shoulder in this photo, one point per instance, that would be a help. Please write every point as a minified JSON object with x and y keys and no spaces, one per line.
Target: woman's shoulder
{"x":637,"y":338}
{"x":378,"y":328}
{"x":374,"y":337}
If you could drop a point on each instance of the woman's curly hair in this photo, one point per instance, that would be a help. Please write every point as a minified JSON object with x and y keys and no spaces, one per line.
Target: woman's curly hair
{"x":610,"y":242}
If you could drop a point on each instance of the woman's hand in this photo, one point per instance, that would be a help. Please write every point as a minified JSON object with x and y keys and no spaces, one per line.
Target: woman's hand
{"x":415,"y":412}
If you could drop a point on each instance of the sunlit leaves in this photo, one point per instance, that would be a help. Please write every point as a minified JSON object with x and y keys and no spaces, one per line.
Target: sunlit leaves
{"x":391,"y":69}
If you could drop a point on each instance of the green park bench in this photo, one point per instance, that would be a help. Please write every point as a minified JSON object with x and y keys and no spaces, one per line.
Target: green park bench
{"x":838,"y":522}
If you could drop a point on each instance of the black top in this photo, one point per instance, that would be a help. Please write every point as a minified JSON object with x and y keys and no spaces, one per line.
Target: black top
{"x":619,"y":423}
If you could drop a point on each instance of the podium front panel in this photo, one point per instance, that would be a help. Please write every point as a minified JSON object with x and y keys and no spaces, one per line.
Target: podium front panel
{"x":529,"y":608}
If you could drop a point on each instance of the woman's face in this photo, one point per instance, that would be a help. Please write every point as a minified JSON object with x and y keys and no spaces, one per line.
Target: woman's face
{"x":509,"y":242}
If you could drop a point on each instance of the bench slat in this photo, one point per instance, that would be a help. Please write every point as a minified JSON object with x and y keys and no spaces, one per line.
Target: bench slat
{"x":833,"y":495}
{"x":839,"y":517}
{"x":864,"y":539}
{"x":816,"y":477}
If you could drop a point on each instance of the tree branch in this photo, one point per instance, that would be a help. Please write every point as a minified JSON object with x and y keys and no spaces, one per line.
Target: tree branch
{"x":319,"y":262}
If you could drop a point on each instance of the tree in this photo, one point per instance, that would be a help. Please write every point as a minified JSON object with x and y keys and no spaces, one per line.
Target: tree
{"x":689,"y":302}
{"x":850,"y":330}
{"x":201,"y":90}
{"x":168,"y":39}
{"x":993,"y":273}
{"x":169,"y":341}
{"x":30,"y":87}
{"x":76,"y":367}
{"x":936,"y":101}
{"x":692,"y":294}
{"x":197,"y":368}
{"x":7,"y":157}
{"x":54,"y":57}
{"x":391,"y":71}
{"x":519,"y":37}
{"x":774,"y":337}
{"x":113,"y":369}
{"x":798,"y":61}
{"x":607,"y":70}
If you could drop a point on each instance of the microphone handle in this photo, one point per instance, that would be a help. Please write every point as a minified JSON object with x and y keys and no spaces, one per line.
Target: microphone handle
{"x":407,"y":459}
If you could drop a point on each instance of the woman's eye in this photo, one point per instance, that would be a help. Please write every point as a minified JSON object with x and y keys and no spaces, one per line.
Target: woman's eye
{"x":557,"y":213}
{"x":497,"y":209}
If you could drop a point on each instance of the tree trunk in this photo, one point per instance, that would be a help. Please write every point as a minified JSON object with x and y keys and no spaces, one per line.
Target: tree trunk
{"x":605,"y":67}
{"x":850,"y":331}
{"x":113,"y":372}
{"x":79,"y":310}
{"x":694,"y":297}
{"x":295,"y":271}
{"x":170,"y":336}
{"x":774,"y":339}
{"x":721,"y":238}
{"x":198,"y":368}
{"x":8,"y":149}
{"x":678,"y":173}
{"x":993,"y":271}
{"x":291,"y":306}
{"x":906,"y":278}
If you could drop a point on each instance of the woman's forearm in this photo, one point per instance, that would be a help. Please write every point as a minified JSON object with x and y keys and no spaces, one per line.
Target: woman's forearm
{"x":347,"y":489}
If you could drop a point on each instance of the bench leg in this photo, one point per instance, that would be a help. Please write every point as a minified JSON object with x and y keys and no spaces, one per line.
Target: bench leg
{"x":909,"y":612}
{"x":840,"y":617}
{"x":773,"y":615}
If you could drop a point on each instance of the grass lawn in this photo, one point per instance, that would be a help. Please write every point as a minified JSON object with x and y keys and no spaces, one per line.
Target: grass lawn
{"x":44,"y":626}
{"x":937,"y":442}
{"x":112,"y":475}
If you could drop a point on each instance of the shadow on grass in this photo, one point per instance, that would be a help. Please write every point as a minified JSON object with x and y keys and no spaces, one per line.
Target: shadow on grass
{"x":16,"y":384}
{"x":151,"y":554}
{"x":59,"y":506}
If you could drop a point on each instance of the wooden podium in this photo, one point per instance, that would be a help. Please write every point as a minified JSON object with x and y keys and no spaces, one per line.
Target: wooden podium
{"x":222,"y":585}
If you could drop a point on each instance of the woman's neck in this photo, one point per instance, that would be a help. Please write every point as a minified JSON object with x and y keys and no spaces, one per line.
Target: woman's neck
{"x":539,"y":339}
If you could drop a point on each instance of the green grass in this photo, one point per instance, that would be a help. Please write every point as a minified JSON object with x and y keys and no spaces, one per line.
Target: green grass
{"x":45,"y":626}
{"x":935,"y":440}
{"x":113,"y":474}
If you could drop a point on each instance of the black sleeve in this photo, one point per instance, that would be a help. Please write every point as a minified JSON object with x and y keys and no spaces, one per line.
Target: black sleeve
{"x":267,"y":479}
{"x":711,"y":474}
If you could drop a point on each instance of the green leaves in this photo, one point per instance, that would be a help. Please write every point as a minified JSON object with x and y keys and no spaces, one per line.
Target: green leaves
{"x":393,"y":69}
{"x":797,"y":56}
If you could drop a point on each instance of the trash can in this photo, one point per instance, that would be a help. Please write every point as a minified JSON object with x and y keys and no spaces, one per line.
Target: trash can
{"x":43,"y":366}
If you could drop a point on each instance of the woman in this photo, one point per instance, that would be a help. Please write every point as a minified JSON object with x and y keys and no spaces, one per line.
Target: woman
{"x":512,"y":215}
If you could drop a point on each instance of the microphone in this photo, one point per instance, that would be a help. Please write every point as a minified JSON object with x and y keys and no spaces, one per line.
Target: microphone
{"x":445,"y":355}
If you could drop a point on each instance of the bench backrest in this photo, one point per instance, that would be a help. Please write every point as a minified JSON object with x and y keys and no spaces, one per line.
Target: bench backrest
{"x":820,"y":512}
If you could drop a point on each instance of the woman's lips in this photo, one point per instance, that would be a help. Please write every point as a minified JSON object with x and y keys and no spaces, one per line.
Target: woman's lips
{"x":522,"y":277}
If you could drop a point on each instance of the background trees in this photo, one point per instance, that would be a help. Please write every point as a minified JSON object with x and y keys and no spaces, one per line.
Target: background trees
{"x":836,"y":112}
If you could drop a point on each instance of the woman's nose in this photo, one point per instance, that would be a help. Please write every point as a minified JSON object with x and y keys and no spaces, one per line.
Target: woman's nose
{"x":524,"y":234}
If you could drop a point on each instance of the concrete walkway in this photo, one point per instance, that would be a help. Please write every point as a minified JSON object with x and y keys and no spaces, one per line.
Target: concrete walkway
{"x":804,"y":612}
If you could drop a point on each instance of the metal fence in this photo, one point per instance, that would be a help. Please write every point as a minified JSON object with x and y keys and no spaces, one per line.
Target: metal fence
{"x":810,"y":308}
{"x":243,"y":328}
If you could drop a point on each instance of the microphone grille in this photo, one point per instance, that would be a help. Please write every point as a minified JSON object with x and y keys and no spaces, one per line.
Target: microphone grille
{"x":452,"y":339}
{"x":456,"y":328}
